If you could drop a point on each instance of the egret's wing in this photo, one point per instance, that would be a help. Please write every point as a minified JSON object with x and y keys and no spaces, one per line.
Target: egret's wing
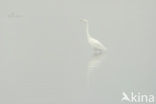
{"x":95,"y":43}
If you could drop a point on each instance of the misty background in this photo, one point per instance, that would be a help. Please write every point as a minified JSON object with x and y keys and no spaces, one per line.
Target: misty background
{"x":45,"y":57}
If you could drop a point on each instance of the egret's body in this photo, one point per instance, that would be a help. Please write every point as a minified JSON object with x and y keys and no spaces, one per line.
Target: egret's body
{"x":95,"y":44}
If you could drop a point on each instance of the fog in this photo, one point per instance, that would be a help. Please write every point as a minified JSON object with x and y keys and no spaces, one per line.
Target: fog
{"x":46,"y":58}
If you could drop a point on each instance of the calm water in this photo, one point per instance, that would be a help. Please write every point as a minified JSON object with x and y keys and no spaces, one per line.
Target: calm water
{"x":45,"y":57}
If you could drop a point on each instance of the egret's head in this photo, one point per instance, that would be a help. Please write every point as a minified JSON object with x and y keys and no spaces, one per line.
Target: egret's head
{"x":84,"y":20}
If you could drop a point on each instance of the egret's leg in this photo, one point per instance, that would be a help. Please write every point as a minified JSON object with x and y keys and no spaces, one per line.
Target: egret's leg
{"x":98,"y":51}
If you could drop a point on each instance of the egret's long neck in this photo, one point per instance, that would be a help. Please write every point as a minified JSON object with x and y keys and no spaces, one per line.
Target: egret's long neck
{"x":87,"y":30}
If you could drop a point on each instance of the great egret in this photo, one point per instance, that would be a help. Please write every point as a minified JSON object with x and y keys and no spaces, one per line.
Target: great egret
{"x":97,"y":46}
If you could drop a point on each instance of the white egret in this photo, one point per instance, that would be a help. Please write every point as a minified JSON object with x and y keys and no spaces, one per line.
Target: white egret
{"x":96,"y":45}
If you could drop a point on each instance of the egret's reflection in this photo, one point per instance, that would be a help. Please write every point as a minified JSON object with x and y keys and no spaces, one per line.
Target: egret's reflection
{"x":93,"y":65}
